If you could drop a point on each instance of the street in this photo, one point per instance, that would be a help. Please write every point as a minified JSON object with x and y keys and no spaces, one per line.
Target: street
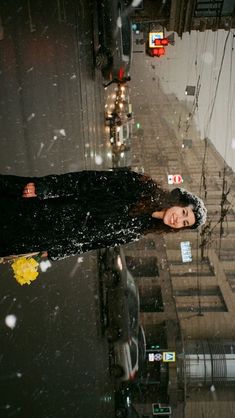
{"x":55,"y":359}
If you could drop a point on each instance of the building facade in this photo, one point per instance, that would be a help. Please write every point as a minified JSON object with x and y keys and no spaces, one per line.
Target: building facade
{"x":187,"y":308}
{"x":185,"y":15}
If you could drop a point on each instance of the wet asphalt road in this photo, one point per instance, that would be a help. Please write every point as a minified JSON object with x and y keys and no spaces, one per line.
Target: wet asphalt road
{"x":54,"y":362}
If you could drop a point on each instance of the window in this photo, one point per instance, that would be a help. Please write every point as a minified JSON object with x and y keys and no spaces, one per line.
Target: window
{"x":142,"y":266}
{"x":200,"y":300}
{"x":152,"y":302}
{"x":231,"y":279}
{"x":203,"y":268}
{"x":214,"y":8}
{"x":225,"y":255}
{"x":210,"y":291}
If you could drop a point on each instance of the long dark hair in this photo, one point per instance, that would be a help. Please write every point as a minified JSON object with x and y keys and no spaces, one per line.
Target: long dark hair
{"x":154,"y":198}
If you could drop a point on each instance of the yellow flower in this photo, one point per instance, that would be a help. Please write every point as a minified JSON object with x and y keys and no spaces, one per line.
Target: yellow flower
{"x":25,"y":270}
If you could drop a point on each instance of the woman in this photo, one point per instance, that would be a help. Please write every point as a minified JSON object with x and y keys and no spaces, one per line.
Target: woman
{"x":73,"y":213}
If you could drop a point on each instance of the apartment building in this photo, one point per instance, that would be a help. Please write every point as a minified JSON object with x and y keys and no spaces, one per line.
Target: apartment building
{"x":187,"y":308}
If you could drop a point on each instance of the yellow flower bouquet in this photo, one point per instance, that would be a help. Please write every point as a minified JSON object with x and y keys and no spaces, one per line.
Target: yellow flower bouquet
{"x":25,"y":270}
{"x":25,"y":266}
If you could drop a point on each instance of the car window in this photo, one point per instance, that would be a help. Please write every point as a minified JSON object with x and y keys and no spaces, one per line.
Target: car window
{"x":133,"y":307}
{"x":133,"y":353}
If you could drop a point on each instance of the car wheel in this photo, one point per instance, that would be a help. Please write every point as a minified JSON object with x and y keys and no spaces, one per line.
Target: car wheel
{"x":117,"y":371}
{"x":101,"y":60}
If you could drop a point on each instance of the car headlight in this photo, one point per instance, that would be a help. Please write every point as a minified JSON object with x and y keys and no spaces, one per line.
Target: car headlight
{"x":119,"y":262}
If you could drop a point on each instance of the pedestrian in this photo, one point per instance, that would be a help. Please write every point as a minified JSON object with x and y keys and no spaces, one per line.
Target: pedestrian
{"x":117,"y":80}
{"x":77,"y":212}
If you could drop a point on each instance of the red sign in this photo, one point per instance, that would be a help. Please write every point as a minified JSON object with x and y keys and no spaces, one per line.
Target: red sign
{"x":175,"y":179}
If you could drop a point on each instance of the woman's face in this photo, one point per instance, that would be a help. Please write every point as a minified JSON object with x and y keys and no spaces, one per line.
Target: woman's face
{"x":178,"y":217}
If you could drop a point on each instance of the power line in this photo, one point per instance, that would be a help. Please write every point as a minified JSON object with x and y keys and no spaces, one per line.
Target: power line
{"x":218,"y":80}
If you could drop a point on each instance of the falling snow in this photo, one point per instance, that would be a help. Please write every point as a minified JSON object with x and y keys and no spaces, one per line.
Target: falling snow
{"x":45,"y":265}
{"x":10,"y":321}
{"x":30,"y":117}
{"x":98,"y":159}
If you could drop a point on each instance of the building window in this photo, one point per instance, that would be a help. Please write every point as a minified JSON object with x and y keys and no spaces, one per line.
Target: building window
{"x":190,"y":90}
{"x":152,"y":302}
{"x":203,"y":268}
{"x":156,"y":336}
{"x":200,"y":300}
{"x":231,"y":279}
{"x":226,"y":255}
{"x":210,"y":291}
{"x":212,"y":8}
{"x":142,"y":266}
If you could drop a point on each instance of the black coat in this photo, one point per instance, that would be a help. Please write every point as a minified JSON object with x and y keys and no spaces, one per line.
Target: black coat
{"x":72,"y":213}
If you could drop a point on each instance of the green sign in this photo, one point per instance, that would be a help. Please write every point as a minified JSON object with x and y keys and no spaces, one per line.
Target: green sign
{"x":160,"y":409}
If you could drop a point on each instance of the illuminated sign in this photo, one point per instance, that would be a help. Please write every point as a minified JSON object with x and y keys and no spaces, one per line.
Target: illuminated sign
{"x":154,"y":357}
{"x":161,"y":409}
{"x":186,"y":252}
{"x":168,"y":356}
{"x":153,"y":36}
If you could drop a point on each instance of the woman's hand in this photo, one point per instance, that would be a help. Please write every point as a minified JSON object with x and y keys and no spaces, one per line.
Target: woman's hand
{"x":29,"y":190}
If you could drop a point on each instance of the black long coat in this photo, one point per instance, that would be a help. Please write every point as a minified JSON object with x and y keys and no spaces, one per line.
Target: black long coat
{"x":72,"y":213}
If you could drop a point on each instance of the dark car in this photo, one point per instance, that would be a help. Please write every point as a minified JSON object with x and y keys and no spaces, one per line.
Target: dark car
{"x":115,"y":38}
{"x":130,"y":356}
{"x":121,"y":297}
{"x":126,"y":359}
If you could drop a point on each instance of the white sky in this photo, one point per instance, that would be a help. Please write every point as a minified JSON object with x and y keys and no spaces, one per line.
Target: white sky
{"x":199,"y":56}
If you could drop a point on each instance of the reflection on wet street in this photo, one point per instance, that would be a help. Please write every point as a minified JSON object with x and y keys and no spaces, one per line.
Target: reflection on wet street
{"x":54,"y":356}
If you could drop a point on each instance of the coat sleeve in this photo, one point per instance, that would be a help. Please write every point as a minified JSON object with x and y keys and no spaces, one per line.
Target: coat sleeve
{"x":123,"y":183}
{"x":92,"y":183}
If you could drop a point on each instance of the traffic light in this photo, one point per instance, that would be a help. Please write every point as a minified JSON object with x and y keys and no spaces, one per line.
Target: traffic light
{"x":161,"y":410}
{"x":161,"y":42}
{"x":158,"y":52}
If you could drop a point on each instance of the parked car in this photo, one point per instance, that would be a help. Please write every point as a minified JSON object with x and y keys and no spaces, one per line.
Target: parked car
{"x":115,"y":37}
{"x":130,"y":356}
{"x":126,"y":359}
{"x":121,"y":297}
